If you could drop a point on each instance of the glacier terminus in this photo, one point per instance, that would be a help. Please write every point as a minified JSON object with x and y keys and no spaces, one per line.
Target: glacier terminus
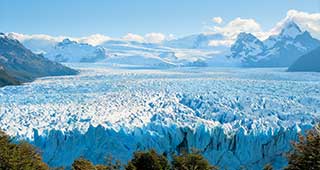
{"x":234,"y":116}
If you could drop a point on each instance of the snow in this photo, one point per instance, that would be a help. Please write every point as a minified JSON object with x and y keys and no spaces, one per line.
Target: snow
{"x":244,"y":116}
{"x":291,"y":30}
{"x":71,"y":51}
{"x":152,"y":55}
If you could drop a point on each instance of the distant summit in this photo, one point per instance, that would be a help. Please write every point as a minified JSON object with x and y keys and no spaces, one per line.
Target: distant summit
{"x":290,"y":29}
{"x":277,"y":51}
{"x":246,"y":47}
{"x":72,"y":51}
{"x":196,"y":41}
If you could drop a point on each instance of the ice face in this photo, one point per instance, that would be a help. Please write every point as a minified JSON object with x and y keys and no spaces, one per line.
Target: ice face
{"x":235,"y":117}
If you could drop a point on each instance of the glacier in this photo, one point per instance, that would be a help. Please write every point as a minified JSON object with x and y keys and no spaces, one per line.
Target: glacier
{"x":237,"y":117}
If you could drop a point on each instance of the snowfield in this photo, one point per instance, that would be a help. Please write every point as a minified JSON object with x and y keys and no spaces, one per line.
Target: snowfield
{"x":235,"y":117}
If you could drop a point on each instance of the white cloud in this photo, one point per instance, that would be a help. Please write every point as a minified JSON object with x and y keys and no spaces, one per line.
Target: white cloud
{"x":154,"y":37}
{"x":217,"y":20}
{"x":307,"y":21}
{"x":236,"y":26}
{"x":147,"y":38}
{"x":23,"y":37}
{"x":94,"y":39}
{"x":133,"y":37}
{"x":231,"y":30}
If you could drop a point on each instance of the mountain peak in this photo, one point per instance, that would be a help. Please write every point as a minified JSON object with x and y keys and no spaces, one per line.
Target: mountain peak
{"x":246,"y":37}
{"x":66,"y":42}
{"x":2,"y":35}
{"x":290,"y":29}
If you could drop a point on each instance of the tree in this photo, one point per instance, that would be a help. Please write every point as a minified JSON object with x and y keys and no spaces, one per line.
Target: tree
{"x":20,"y":156}
{"x":268,"y":167}
{"x":306,"y":152}
{"x":82,"y":164}
{"x":148,"y":160}
{"x":112,"y":164}
{"x":191,"y":161}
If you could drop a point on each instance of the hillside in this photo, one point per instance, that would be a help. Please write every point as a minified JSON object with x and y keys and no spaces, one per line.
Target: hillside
{"x":5,"y":79}
{"x":20,"y":64}
{"x":309,"y":62}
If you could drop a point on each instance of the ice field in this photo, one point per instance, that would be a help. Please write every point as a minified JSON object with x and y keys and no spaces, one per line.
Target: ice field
{"x":234,"y":116}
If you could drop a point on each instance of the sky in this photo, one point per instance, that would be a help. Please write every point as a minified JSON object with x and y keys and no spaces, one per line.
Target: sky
{"x":117,"y":18}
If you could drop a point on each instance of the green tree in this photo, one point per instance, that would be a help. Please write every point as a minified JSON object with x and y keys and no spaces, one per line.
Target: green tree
{"x":306,"y":152}
{"x":191,"y":161}
{"x":148,"y":160}
{"x":82,"y":164}
{"x":20,"y":156}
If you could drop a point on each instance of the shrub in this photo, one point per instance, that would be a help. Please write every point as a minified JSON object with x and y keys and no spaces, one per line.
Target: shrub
{"x":82,"y":164}
{"x":306,"y":152}
{"x":191,"y":161}
{"x":148,"y":160}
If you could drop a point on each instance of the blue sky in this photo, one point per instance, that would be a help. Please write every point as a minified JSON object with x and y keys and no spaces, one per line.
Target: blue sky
{"x":118,"y":17}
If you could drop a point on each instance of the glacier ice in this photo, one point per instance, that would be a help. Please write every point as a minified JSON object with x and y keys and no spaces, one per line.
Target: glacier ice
{"x":235,"y":117}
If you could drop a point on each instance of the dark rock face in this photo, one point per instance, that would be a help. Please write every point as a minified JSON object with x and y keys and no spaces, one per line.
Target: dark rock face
{"x":18,"y":64}
{"x":5,"y":79}
{"x":309,"y":62}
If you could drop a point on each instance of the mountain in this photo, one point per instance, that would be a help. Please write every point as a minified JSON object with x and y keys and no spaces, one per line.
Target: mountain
{"x":5,"y":79}
{"x":71,"y":51}
{"x":18,"y":64}
{"x":196,"y":41}
{"x":247,"y":47}
{"x":133,"y":53}
{"x":277,"y":51}
{"x":307,"y":63}
{"x":37,"y":44}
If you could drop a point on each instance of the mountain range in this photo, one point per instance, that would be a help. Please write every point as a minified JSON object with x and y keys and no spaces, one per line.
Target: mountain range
{"x":280,"y":50}
{"x":276,"y":51}
{"x":18,"y":64}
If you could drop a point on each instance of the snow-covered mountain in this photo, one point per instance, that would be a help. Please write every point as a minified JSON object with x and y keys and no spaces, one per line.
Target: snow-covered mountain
{"x":247,"y":47}
{"x":196,"y":41}
{"x":195,"y":50}
{"x":71,"y":51}
{"x":154,"y":55}
{"x":277,"y":51}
